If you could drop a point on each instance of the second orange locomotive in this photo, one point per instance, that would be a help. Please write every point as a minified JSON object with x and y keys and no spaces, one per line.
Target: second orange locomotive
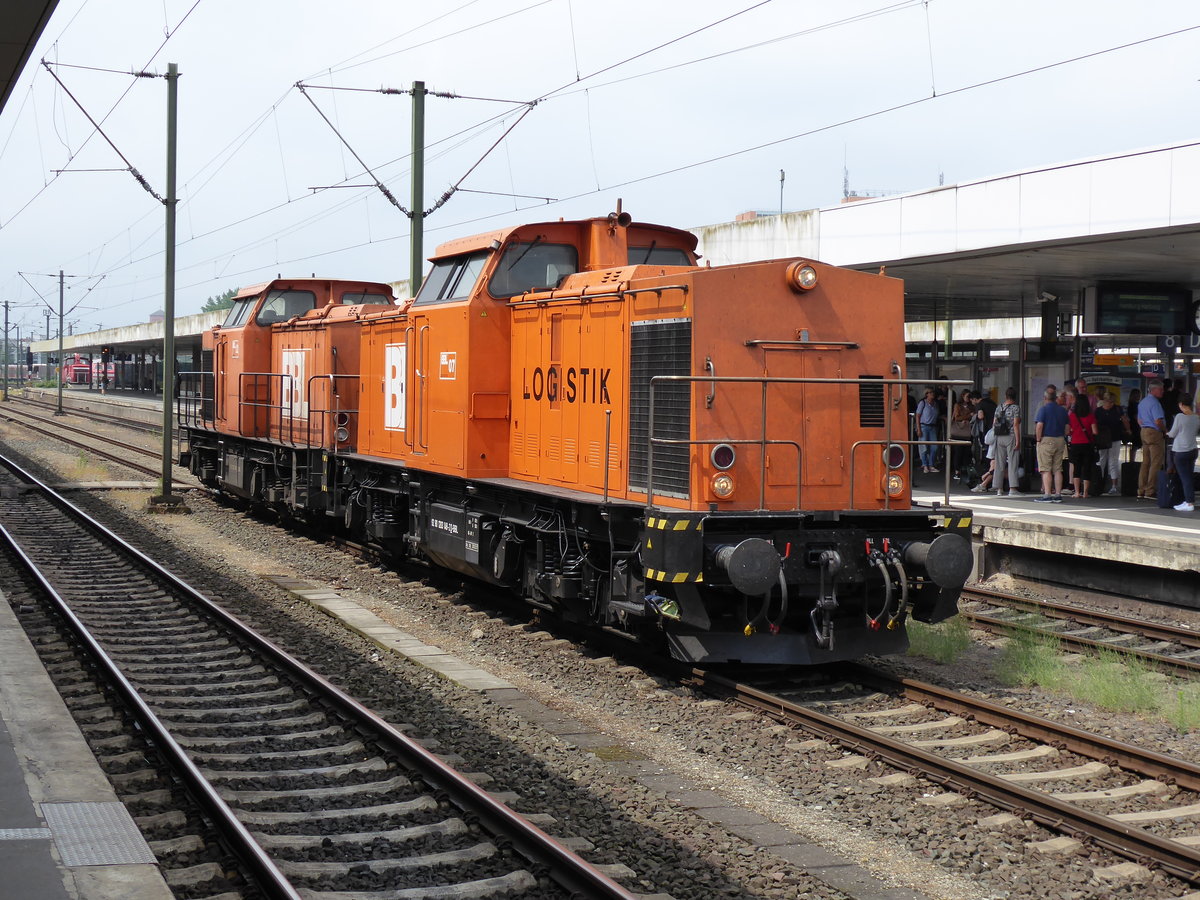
{"x":710,"y":457}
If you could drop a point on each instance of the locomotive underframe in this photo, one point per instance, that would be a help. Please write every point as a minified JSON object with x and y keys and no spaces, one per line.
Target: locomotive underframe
{"x":841,"y":587}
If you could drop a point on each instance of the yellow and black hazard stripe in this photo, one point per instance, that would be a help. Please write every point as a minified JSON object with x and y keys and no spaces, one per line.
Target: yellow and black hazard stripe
{"x":675,"y":577}
{"x":663,"y":524}
{"x":673,"y":549}
{"x":950,"y":522}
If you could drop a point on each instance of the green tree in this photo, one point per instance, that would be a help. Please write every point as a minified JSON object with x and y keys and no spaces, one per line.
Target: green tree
{"x":221,"y":301}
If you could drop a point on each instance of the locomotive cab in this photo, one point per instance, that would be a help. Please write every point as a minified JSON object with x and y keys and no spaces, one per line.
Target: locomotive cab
{"x":268,"y":376}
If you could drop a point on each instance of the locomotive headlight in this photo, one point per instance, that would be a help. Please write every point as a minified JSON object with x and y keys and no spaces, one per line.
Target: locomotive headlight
{"x":894,"y":456}
{"x":722,"y":485}
{"x":342,"y":434}
{"x":895,"y":484}
{"x":723,"y":456}
{"x":801,"y":276}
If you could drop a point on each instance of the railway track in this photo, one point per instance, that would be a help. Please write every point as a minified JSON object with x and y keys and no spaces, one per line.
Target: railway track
{"x":315,"y":795}
{"x":1141,"y":805}
{"x":92,"y":415}
{"x":110,"y":449}
{"x":1169,"y":648}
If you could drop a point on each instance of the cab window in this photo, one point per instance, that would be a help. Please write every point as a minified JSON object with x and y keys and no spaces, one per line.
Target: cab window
{"x":659,"y":256}
{"x":452,"y":279}
{"x":282,"y":305}
{"x":532,"y":266}
{"x":239,"y":312}
{"x":359,"y":298}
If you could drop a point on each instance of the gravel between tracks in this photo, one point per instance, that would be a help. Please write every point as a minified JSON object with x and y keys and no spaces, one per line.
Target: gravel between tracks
{"x":936,"y":851}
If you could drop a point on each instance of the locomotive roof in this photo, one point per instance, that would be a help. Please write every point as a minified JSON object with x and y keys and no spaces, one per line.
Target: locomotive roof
{"x":484,"y":241}
{"x":255,"y":289}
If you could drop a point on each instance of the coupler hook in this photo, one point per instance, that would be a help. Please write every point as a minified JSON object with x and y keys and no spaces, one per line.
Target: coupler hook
{"x":822,"y":612}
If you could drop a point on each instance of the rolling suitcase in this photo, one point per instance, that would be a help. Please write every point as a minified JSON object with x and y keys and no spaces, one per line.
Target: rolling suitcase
{"x":1170,"y":491}
{"x":1130,"y":472}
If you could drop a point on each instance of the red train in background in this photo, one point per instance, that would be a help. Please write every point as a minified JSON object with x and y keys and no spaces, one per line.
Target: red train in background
{"x":77,"y":369}
{"x":708,"y":457}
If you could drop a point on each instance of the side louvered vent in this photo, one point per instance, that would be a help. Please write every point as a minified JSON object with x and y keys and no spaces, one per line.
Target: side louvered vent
{"x":660,"y":348}
{"x":871,"y":413}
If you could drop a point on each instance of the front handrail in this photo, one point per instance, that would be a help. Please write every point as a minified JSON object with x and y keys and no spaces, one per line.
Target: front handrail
{"x":914,"y":443}
{"x":891,"y":403}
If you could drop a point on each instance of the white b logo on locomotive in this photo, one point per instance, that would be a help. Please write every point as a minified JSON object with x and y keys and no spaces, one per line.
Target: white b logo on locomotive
{"x":295,"y":364}
{"x":395,"y":387}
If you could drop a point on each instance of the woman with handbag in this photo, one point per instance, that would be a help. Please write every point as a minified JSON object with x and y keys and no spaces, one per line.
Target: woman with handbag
{"x":1082,"y":449}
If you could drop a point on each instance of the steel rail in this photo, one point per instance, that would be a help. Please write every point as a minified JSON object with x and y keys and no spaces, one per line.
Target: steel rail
{"x":1057,"y":815}
{"x":266,"y":875}
{"x":93,"y":414}
{"x":1053,"y":610}
{"x":1075,"y":642}
{"x":111,"y":457}
{"x":61,"y":426}
{"x":563,"y":866}
{"x":1167,"y":769}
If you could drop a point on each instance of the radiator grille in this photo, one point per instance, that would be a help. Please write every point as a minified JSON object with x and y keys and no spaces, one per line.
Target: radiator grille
{"x":871,"y":413}
{"x":660,"y":348}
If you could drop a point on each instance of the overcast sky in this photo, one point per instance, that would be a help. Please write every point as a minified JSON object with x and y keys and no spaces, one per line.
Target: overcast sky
{"x":687,"y":111}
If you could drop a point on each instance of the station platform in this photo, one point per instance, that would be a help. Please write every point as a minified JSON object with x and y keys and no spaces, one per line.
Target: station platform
{"x":1113,"y":544}
{"x":63,"y":833}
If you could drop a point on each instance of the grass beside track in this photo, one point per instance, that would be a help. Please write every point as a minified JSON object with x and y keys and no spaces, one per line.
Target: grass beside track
{"x":1112,"y":680}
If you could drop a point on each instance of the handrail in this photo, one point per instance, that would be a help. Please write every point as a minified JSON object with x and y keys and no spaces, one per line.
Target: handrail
{"x":885,"y":443}
{"x":762,"y":381}
{"x":327,"y":442}
{"x":410,"y":334}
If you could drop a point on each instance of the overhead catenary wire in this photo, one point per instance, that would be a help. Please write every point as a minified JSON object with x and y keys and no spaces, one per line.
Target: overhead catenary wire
{"x":758,"y":146}
{"x":129,"y":166}
{"x":379,"y":185}
{"x":609,"y":68}
{"x":843,"y":122}
{"x":525,"y":9}
{"x":112,"y":109}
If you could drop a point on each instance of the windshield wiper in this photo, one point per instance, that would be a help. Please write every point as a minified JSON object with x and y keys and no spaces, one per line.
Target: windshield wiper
{"x":532,"y":244}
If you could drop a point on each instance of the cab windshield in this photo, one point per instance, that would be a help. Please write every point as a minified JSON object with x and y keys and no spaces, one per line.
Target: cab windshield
{"x":282,"y":305}
{"x":365,"y":299}
{"x":452,"y":279}
{"x":239,"y":312}
{"x":532,"y":266}
{"x":659,"y":256}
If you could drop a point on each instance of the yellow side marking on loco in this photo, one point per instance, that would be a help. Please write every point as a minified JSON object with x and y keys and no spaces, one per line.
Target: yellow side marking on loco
{"x":674,"y":577}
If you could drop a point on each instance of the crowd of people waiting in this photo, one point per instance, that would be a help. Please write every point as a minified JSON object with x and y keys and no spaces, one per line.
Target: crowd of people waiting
{"x":1079,"y":437}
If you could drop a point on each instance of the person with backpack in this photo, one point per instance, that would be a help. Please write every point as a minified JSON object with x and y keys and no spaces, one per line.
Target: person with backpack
{"x":1007,"y":427}
{"x":928,"y":415}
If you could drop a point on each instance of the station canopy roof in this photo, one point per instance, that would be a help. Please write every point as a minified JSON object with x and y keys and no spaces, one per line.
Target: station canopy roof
{"x":21,"y":24}
{"x":988,"y":249}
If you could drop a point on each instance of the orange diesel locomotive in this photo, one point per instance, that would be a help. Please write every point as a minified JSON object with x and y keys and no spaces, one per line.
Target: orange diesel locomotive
{"x":710,"y":457}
